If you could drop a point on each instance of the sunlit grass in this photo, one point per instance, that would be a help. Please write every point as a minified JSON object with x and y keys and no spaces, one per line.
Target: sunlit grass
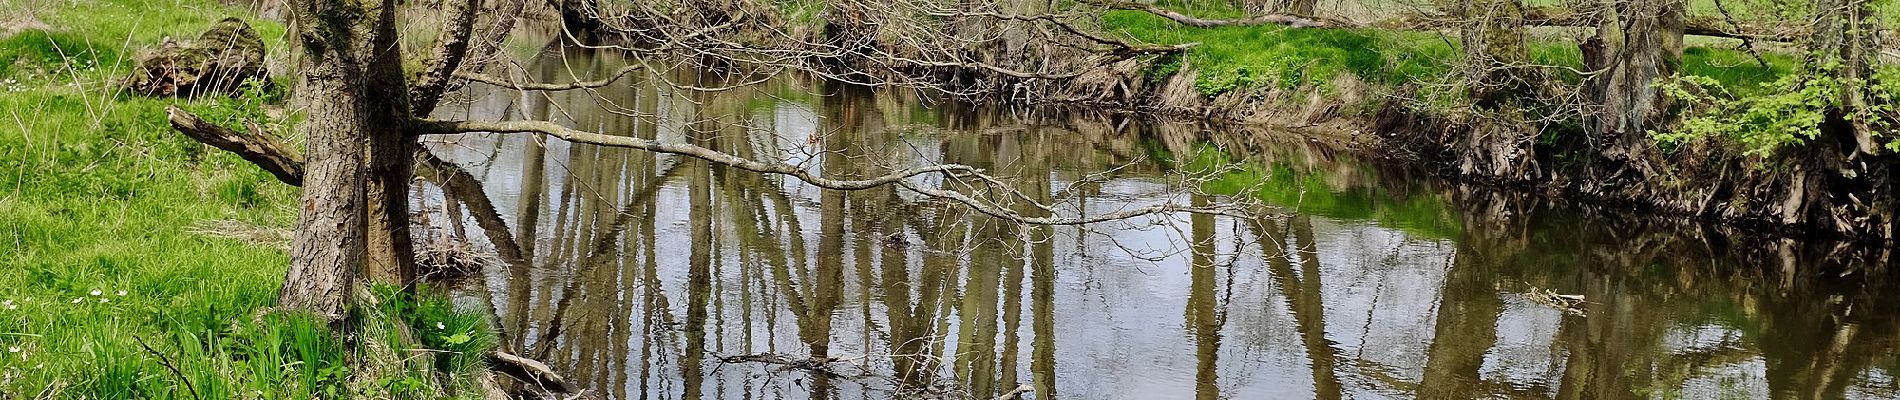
{"x":112,"y":284}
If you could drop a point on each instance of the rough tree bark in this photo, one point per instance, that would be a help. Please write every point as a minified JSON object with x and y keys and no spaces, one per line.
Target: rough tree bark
{"x":1844,"y":32}
{"x":1295,"y":7}
{"x":390,"y":253}
{"x":1637,"y":42}
{"x":333,"y":84}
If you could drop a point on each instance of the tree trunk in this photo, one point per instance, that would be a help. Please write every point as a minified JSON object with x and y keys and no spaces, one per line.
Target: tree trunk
{"x":334,"y":88}
{"x":1295,"y":7}
{"x":1497,"y":62}
{"x":1844,"y":31}
{"x":1637,"y":42}
{"x":390,"y":254}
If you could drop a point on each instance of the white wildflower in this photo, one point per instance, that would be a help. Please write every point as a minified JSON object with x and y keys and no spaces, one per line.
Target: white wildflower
{"x":121,"y":293}
{"x":76,"y":300}
{"x":96,"y":292}
{"x":13,"y":349}
{"x":439,"y":325}
{"x":104,"y":300}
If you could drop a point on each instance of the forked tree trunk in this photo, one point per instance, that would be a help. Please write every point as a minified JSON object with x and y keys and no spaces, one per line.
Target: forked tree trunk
{"x":1637,"y":42}
{"x":391,"y":253}
{"x":342,"y":84}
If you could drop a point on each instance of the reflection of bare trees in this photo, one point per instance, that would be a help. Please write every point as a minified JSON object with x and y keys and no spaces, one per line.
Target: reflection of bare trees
{"x":641,"y":273}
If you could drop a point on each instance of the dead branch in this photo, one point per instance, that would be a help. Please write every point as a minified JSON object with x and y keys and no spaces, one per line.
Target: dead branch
{"x":899,"y":177}
{"x":552,"y":86}
{"x":531,"y":371}
{"x":253,"y":145}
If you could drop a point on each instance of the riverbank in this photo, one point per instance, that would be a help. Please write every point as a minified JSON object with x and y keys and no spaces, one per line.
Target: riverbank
{"x":1722,"y":155}
{"x":136,"y":263}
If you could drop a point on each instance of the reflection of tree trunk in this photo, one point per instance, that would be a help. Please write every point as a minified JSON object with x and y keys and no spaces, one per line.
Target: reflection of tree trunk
{"x":1812,"y":347}
{"x":698,"y":280}
{"x":1612,"y":352}
{"x":1309,"y":312}
{"x":1202,"y":320}
{"x":1468,"y":308}
{"x":1042,"y":292}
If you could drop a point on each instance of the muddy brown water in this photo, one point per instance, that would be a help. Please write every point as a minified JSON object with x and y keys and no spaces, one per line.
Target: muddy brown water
{"x":648,"y":276}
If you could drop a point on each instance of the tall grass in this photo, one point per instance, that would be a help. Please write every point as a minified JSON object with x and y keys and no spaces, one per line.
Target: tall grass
{"x":110,"y":286}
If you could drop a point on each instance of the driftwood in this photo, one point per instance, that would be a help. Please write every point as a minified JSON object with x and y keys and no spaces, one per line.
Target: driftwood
{"x":220,"y":61}
{"x":533,"y":372}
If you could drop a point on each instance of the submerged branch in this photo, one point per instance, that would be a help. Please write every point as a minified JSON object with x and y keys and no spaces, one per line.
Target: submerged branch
{"x":253,"y":145}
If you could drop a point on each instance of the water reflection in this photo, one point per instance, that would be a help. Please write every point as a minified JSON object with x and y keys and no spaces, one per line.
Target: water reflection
{"x":650,"y":276}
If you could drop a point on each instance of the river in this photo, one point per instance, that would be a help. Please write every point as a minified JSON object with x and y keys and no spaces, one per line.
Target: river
{"x":647,"y":276}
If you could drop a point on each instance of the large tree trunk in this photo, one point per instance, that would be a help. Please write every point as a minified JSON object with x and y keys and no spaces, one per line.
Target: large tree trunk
{"x":1844,"y":32}
{"x":1295,"y":7}
{"x":1637,"y":42}
{"x":334,"y":89}
{"x":390,"y":254}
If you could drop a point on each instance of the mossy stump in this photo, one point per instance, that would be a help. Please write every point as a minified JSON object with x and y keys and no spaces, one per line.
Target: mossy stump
{"x":220,"y":61}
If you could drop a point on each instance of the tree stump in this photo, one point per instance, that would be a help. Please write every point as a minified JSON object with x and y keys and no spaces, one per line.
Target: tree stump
{"x":220,"y":61}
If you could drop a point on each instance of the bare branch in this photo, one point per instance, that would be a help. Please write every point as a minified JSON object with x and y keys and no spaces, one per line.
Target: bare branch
{"x":552,"y":86}
{"x":898,"y":177}
{"x":254,"y":145}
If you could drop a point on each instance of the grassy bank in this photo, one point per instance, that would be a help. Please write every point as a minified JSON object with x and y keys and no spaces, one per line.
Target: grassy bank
{"x":135,"y":263}
{"x":1240,"y":57}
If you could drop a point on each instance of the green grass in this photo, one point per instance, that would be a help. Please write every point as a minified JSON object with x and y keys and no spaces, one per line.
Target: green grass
{"x":1234,"y":57}
{"x":1736,"y":70}
{"x":99,"y":258}
{"x":1229,"y":58}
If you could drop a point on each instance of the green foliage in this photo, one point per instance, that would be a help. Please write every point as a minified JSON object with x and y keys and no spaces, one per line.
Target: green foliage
{"x":459,"y":338}
{"x":1788,"y":111}
{"x":1164,"y":67}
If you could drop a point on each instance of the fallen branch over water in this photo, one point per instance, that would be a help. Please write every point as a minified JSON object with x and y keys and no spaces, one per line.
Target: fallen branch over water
{"x":898,"y":177}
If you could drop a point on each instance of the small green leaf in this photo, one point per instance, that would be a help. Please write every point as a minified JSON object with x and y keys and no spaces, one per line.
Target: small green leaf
{"x":459,"y":338}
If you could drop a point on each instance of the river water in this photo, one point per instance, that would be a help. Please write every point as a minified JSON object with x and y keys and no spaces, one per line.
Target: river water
{"x":648,"y":276}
